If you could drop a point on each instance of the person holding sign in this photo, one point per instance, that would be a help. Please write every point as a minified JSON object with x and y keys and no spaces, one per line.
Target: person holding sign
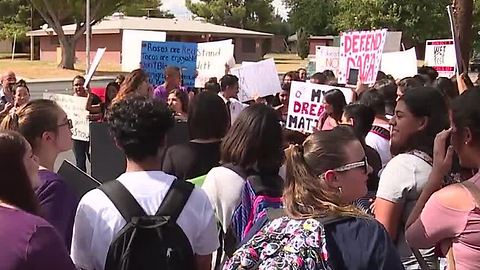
{"x":28,"y":241}
{"x":173,"y":80}
{"x":46,"y":127}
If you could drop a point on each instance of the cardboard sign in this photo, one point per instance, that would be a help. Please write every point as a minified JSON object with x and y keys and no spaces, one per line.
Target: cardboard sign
{"x":363,"y":51}
{"x":94,"y":66}
{"x":258,"y":79}
{"x":132,"y":46}
{"x":74,"y":107}
{"x":400,"y":64}
{"x":211,"y":60}
{"x":76,"y":179}
{"x":305,"y":105}
{"x":440,"y":55}
{"x":156,"y":56}
{"x":327,"y":58}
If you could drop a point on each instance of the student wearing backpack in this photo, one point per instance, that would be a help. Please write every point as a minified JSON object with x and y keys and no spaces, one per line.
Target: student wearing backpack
{"x":185,"y":219}
{"x":321,"y":229}
{"x":252,"y":149}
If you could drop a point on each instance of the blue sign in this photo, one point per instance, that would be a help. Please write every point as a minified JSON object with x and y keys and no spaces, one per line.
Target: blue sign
{"x":156,"y":56}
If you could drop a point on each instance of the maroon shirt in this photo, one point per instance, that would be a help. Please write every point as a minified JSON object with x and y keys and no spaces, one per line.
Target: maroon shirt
{"x":28,"y":242}
{"x":58,"y":204}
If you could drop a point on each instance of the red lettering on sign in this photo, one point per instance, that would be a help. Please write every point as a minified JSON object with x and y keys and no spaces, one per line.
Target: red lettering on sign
{"x":296,"y":106}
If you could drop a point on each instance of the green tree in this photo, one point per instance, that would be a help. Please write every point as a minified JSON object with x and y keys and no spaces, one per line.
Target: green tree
{"x":14,"y":18}
{"x":248,"y":14}
{"x":58,"y":13}
{"x":151,"y":8}
{"x":314,"y":16}
{"x":302,"y":43}
{"x":418,"y":20}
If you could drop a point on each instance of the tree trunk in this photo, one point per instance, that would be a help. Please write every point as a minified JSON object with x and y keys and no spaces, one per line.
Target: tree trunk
{"x":67,"y":45}
{"x":463,"y":23}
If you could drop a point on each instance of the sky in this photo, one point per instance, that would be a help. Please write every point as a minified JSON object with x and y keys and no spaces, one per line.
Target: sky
{"x":178,"y":8}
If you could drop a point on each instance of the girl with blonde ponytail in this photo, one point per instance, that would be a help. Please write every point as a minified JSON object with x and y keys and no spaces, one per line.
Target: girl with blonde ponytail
{"x":323,"y":177}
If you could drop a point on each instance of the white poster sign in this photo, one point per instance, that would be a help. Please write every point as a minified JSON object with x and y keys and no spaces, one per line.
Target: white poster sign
{"x":305,"y":105}
{"x":74,"y":107}
{"x":400,"y":64}
{"x":94,"y":65}
{"x":211,"y":60}
{"x":257,"y":80}
{"x":132,"y":46}
{"x":440,"y":55}
{"x":327,"y":58}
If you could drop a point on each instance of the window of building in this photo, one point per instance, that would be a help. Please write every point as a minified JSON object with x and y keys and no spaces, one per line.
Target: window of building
{"x":248,"y":45}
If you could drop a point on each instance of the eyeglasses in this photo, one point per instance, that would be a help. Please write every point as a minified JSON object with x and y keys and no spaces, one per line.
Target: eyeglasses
{"x":351,"y":166}
{"x":67,"y":123}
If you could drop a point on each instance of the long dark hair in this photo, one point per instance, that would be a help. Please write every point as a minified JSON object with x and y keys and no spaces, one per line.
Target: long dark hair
{"x":15,"y":185}
{"x":425,"y":102}
{"x":255,"y":140}
{"x":336,"y":99}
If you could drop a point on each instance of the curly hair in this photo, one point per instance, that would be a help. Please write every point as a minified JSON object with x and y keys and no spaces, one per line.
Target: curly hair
{"x":139,"y":125}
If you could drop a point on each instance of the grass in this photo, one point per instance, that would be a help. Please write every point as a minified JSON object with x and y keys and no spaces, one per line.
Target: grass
{"x":31,"y":70}
{"x":287,"y":62}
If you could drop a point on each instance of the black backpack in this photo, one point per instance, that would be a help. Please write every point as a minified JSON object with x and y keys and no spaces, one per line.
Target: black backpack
{"x":149,"y":242}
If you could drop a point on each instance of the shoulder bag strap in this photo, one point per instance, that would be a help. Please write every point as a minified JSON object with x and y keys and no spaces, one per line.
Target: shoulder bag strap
{"x":421,"y":261}
{"x":123,"y":200}
{"x":176,"y":198}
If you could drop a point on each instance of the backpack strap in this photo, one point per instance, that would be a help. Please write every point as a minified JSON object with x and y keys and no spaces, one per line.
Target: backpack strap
{"x":123,"y":200}
{"x":381,"y":131}
{"x":274,"y":213}
{"x":176,"y":198}
{"x":237,"y":169}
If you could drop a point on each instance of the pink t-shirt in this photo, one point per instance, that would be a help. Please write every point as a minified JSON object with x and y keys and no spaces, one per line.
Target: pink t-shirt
{"x":440,"y":224}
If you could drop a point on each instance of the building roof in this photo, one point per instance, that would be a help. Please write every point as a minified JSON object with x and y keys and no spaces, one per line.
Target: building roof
{"x":114,"y":24}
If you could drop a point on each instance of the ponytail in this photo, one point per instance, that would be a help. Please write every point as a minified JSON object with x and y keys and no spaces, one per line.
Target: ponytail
{"x":306,"y":193}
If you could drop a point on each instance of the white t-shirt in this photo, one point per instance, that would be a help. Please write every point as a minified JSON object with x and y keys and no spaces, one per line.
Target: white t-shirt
{"x":401,"y":182}
{"x":380,"y":144}
{"x":98,"y":221}
{"x":223,"y":188}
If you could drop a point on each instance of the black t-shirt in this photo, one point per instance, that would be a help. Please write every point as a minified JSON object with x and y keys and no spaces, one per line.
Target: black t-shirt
{"x":191,"y":159}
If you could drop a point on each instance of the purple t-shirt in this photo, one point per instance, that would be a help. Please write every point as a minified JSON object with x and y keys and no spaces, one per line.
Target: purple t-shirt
{"x":58,"y":204}
{"x":28,"y":242}
{"x":161,"y":93}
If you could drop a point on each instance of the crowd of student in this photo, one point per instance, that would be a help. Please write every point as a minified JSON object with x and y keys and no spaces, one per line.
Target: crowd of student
{"x":388,"y":181}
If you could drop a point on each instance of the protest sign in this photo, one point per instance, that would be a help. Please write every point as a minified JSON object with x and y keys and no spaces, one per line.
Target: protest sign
{"x":156,"y":56}
{"x":440,"y":55}
{"x":257,"y":80}
{"x":76,"y":179}
{"x":400,"y":64}
{"x":363,"y":51}
{"x":305,"y":104}
{"x":132,"y":46}
{"x":211,"y":60}
{"x":327,"y":58}
{"x":94,"y":66}
{"x":74,"y":107}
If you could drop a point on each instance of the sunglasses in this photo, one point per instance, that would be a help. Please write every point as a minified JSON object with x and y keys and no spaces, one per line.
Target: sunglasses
{"x":351,"y":166}
{"x":67,"y":123}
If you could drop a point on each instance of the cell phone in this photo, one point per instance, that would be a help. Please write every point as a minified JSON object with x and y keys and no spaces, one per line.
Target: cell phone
{"x":353,"y":76}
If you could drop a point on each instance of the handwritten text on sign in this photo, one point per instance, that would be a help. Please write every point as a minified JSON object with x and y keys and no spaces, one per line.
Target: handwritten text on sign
{"x":211,"y":60}
{"x":440,"y":54}
{"x":305,"y":105}
{"x":74,"y":107}
{"x":363,"y":51}
{"x":327,"y":58}
{"x":156,"y":56}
